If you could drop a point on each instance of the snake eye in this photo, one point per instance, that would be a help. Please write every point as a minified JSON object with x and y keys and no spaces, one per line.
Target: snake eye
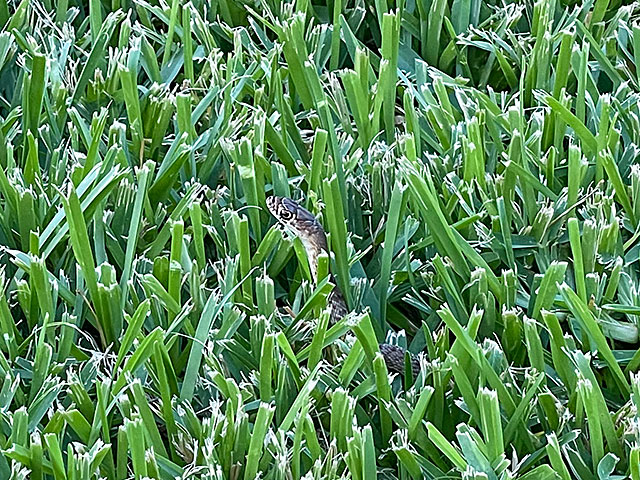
{"x":286,"y":215}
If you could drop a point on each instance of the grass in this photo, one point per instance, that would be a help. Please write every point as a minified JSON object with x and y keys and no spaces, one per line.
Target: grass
{"x":473,"y":162}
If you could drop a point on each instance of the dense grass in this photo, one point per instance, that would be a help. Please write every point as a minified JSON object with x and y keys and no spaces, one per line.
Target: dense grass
{"x":475,"y":166}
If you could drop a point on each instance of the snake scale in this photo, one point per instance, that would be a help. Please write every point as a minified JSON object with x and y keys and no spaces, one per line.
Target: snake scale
{"x":301,"y":223}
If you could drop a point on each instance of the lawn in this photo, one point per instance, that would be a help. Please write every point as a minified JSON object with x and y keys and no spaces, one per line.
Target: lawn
{"x":473,"y":162}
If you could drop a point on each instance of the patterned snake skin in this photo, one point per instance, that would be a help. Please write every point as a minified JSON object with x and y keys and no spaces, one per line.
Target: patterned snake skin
{"x":305,"y":226}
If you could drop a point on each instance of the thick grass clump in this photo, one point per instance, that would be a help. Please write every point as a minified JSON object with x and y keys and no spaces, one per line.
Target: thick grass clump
{"x":473,"y":162}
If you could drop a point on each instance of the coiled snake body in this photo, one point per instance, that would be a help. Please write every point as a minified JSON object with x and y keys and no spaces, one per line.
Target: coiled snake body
{"x":307,"y":228}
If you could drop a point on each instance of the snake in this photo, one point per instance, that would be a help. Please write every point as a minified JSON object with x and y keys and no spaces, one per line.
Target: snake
{"x":301,"y":223}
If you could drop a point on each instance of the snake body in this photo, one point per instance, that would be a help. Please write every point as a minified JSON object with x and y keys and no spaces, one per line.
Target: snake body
{"x":306,"y":227}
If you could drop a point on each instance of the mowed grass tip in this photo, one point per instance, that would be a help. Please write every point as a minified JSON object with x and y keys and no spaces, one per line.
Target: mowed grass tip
{"x":474,"y":164}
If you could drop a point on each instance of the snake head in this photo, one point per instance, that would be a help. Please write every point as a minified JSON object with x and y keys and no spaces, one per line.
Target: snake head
{"x":299,"y":221}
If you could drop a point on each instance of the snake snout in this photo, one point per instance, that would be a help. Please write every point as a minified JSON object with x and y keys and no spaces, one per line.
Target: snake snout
{"x":272,"y":203}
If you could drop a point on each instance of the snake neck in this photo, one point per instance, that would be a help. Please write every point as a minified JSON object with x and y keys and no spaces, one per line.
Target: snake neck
{"x":336,"y":302}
